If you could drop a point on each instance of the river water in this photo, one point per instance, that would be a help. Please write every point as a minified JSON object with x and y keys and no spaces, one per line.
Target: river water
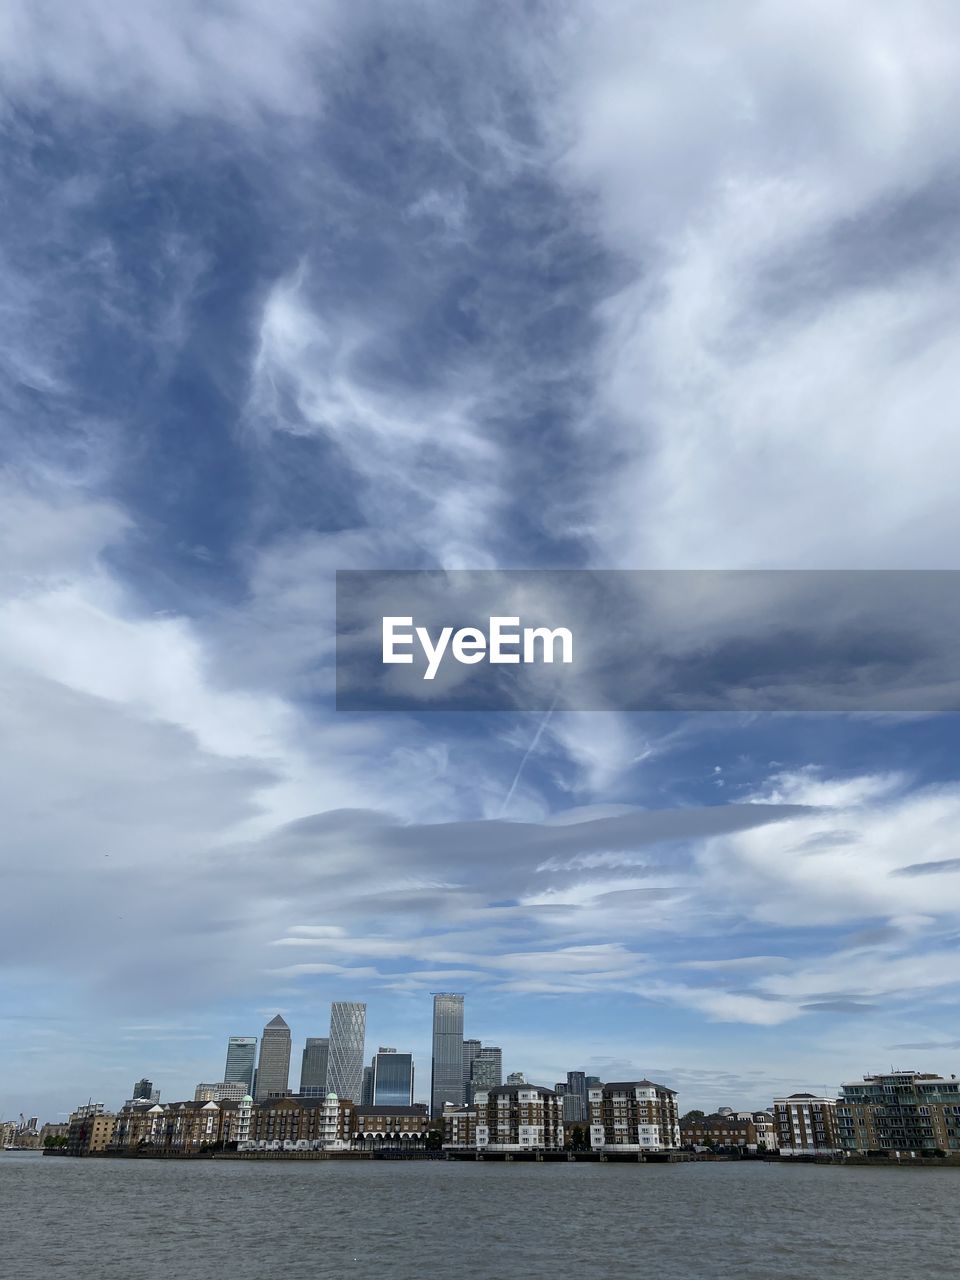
{"x":100,"y":1219}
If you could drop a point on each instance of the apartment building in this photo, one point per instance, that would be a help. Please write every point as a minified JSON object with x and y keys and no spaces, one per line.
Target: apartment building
{"x":806,"y":1125}
{"x":518,"y":1117}
{"x":459,"y":1128}
{"x":751,"y":1131}
{"x":328,"y":1120}
{"x":633,"y":1116}
{"x":903,"y":1112}
{"x":391,"y":1125}
{"x":90,"y":1129}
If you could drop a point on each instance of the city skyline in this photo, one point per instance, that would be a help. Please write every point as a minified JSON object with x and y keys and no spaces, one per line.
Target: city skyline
{"x":299,"y":290}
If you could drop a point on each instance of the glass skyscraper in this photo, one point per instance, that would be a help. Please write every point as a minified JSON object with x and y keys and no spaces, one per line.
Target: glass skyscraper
{"x":241,"y":1061}
{"x":348,"y":1031}
{"x":273,"y":1070}
{"x":392,"y":1082}
{"x":470,"y":1050}
{"x":446,"y":1074}
{"x":576,"y":1088}
{"x":313,"y":1066}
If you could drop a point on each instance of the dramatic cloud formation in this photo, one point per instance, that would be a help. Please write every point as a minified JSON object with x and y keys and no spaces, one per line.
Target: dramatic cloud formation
{"x":304,"y":287}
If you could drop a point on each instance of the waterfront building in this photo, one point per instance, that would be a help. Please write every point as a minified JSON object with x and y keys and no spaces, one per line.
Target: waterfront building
{"x":486,"y":1070}
{"x":241,"y":1061}
{"x":903,"y":1112}
{"x":327,"y":1121}
{"x":313,"y":1066}
{"x":518,"y":1117}
{"x":633,"y":1115}
{"x":390,"y":1126}
{"x":348,"y":1024}
{"x":235,"y":1120}
{"x":728,"y":1128}
{"x":273,"y":1069}
{"x":90,"y":1128}
{"x":806,"y":1125}
{"x":391,"y":1079}
{"x":446,"y":1073}
{"x":222,"y":1091}
{"x":460,"y":1127}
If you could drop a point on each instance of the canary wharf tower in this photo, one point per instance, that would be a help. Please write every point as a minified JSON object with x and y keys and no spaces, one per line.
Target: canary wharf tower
{"x":348,"y":1030}
{"x":446,"y":1076}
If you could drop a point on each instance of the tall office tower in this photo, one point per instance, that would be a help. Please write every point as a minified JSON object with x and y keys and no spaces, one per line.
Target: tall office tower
{"x":348,"y":1030}
{"x":577,"y":1085}
{"x":594,"y":1082}
{"x":486,"y":1071}
{"x":392,"y":1079}
{"x":273,"y":1069}
{"x":313,"y":1066}
{"x":142,"y":1090}
{"x":241,"y":1061}
{"x":446,"y":1074}
{"x":366,"y":1088}
{"x":470,"y":1050}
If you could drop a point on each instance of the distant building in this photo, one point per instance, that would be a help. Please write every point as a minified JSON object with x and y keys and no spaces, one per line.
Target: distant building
{"x":241,"y":1061}
{"x":273,"y":1069}
{"x":366,"y":1087}
{"x":446,"y":1064}
{"x":903,"y":1112}
{"x":486,"y":1070}
{"x":806,"y":1125}
{"x":144,"y":1091}
{"x":633,"y":1115}
{"x":222,"y":1091}
{"x":516,"y":1077}
{"x":470,"y":1050}
{"x":518,"y":1117}
{"x":391,"y":1079}
{"x":576,"y":1088}
{"x":348,"y":1023}
{"x":313,"y":1066}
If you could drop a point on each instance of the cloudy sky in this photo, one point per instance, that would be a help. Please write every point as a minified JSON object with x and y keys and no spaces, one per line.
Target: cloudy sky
{"x":291,"y":288}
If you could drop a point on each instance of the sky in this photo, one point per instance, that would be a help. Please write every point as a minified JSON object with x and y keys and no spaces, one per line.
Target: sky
{"x":295,"y":288}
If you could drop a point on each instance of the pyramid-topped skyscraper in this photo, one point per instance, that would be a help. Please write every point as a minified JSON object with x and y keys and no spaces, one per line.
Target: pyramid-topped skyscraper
{"x":273,"y":1072}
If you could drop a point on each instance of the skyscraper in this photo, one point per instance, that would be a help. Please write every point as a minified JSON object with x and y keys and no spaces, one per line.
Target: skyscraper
{"x":486,"y":1071}
{"x":446,"y":1074}
{"x":142,"y":1090}
{"x":392,"y":1082}
{"x":273,"y":1070}
{"x":576,"y":1086}
{"x":241,"y":1061}
{"x":348,"y":1030}
{"x":313,"y":1066}
{"x":470,"y":1050}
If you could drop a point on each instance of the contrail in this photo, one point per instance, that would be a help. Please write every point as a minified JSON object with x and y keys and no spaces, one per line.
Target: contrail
{"x":526,"y":755}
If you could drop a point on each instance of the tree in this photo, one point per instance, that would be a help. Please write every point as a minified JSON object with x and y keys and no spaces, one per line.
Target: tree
{"x":692,"y":1117}
{"x":578,"y":1139}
